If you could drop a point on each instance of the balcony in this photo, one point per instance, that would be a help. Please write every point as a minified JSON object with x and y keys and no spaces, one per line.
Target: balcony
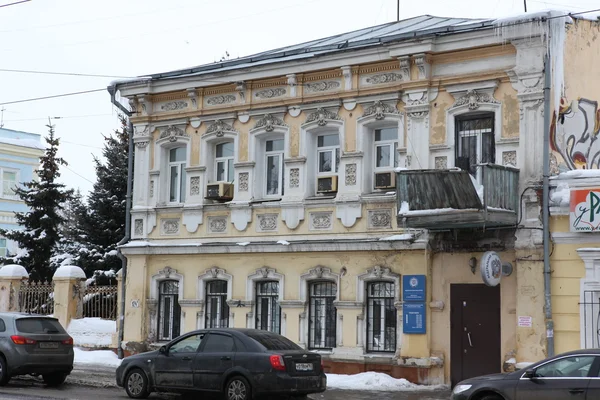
{"x":451,"y":199}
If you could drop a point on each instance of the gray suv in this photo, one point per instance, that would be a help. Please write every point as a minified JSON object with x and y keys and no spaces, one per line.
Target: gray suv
{"x":35,"y":345}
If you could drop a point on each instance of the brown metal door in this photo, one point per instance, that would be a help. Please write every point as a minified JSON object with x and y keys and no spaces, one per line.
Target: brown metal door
{"x":474,"y":331}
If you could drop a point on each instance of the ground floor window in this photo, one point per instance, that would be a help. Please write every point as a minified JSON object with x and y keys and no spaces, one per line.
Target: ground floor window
{"x":381,"y":317}
{"x":217,"y":310}
{"x":169,"y":311}
{"x":268,"y":311}
{"x":322,"y":315}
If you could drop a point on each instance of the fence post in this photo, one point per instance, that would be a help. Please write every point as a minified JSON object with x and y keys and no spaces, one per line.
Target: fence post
{"x":11,"y":277}
{"x":69,"y":286}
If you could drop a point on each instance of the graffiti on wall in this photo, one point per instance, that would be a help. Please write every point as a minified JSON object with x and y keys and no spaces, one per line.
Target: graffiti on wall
{"x":574,"y":134}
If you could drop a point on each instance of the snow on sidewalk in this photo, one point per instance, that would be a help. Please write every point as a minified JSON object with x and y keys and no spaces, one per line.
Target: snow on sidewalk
{"x":375,"y":381}
{"x":92,"y":332}
{"x":105,"y":358}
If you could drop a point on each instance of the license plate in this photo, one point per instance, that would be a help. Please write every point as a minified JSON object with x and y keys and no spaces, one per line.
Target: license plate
{"x":304,"y":367}
{"x":48,"y":345}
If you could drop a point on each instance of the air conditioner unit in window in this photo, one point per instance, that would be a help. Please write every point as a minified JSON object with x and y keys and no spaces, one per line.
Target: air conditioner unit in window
{"x":327,"y":184}
{"x":385,"y":180}
{"x":219,"y":191}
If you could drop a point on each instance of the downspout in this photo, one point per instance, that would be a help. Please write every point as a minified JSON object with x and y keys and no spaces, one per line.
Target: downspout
{"x":121,"y":327}
{"x":546,"y":207}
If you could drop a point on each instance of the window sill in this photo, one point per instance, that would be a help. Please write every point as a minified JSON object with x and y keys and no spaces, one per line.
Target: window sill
{"x":262,"y":201}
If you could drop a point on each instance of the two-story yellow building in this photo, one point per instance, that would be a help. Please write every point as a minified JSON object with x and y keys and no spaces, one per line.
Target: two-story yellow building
{"x":314,"y":189}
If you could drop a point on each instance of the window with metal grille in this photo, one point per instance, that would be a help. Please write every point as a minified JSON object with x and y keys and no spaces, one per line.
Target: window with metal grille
{"x":217,"y":310}
{"x":475,"y":141}
{"x":381,"y":317}
{"x":268,"y":312}
{"x":322,"y":315}
{"x":169,"y":311}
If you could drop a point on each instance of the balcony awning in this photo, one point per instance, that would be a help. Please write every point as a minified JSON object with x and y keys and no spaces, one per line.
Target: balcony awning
{"x":449,"y":199}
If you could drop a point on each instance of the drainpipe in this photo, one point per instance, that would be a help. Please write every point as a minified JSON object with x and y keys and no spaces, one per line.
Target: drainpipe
{"x":546,"y":208}
{"x":112,"y":90}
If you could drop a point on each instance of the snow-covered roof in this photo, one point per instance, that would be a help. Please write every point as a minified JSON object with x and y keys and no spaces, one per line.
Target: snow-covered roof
{"x":407,"y":29}
{"x":21,"y":139}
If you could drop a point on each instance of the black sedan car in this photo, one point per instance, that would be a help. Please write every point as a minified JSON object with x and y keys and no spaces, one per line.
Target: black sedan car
{"x":240,"y":363}
{"x":573,"y":375}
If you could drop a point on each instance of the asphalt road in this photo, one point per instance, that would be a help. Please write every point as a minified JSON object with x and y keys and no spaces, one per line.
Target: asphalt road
{"x":35,"y":390}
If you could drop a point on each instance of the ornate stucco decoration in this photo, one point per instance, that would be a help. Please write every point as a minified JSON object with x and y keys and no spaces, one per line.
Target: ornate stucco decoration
{"x":217,"y":224}
{"x":166,"y":272}
{"x":417,"y":105}
{"x":385,"y":77}
{"x":243,"y":181}
{"x":241,"y":89}
{"x":322,"y":116}
{"x":405,"y":67}
{"x":139,"y":227}
{"x":379,"y":109}
{"x":269,"y":122}
{"x":174,"y":105}
{"x":267,"y":222}
{"x":423,"y":64}
{"x":270,"y":93}
{"x":321,"y":220}
{"x":322,"y":86}
{"x":378,"y":271}
{"x":350,"y":174}
{"x":194,"y":186}
{"x":219,"y":128}
{"x":141,"y":131}
{"x":173,"y":132}
{"x":193,"y":96}
{"x":380,"y":219}
{"x":473,"y":99}
{"x":294,"y":177}
{"x":218,"y":100}
{"x":170,"y":226}
{"x":142,"y":144}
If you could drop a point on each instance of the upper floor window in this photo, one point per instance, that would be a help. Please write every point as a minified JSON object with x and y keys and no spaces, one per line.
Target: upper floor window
{"x":386,"y":148}
{"x":224,"y":162}
{"x":475,"y":142}
{"x":328,"y":154}
{"x":177,"y":158}
{"x":9,"y":183}
{"x":3,"y":247}
{"x":274,"y":152}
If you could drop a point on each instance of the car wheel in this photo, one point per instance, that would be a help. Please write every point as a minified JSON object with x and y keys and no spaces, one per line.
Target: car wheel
{"x":491,"y":397}
{"x":55,"y":379}
{"x":238,"y":388}
{"x":4,"y":376}
{"x":136,"y":384}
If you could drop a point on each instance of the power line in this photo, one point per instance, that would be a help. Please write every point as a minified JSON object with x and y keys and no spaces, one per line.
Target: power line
{"x":25,"y":71}
{"x":67,"y":117}
{"x":81,"y":176}
{"x":53,"y":96}
{"x":15,"y":3}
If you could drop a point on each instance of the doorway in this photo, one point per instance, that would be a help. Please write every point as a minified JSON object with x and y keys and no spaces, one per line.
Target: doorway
{"x":474,"y":331}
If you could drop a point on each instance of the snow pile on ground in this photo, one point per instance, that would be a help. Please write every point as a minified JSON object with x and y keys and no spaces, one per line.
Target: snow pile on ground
{"x":96,"y":357}
{"x":374,"y":381}
{"x":92,"y":332}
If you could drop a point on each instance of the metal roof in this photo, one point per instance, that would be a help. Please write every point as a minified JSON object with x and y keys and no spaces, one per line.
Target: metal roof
{"x":367,"y":37}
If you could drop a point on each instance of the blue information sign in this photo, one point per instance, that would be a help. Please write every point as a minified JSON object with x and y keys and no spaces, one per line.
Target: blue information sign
{"x":413,"y":288}
{"x":414,"y":318}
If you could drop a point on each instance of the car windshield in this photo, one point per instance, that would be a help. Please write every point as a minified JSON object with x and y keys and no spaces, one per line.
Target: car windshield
{"x":39,"y":325}
{"x":271,"y":341}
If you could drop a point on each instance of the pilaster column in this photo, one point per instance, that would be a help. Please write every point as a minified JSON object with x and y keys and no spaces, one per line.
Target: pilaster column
{"x":417,"y":143}
{"x":69,"y":286}
{"x":141,"y":185}
{"x":11,"y":278}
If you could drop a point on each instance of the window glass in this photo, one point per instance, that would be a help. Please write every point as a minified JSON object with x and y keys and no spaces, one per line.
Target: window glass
{"x":2,"y":326}
{"x":381,"y":317}
{"x":2,"y":247}
{"x":328,"y":140}
{"x":177,"y":154}
{"x":188,"y":345}
{"x":230,"y":170}
{"x":216,"y":343}
{"x":383,"y":155}
{"x":225,"y":149}
{"x":325,"y":160}
{"x":273,"y":168}
{"x":386,"y":134}
{"x":271,"y":341}
{"x":571,"y":367}
{"x":39,"y":325}
{"x":475,"y":139}
{"x":322,"y":315}
{"x":275,"y":145}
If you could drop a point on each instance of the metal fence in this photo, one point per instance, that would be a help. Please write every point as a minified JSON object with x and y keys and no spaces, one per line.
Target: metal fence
{"x":37,"y":298}
{"x":591,"y":318}
{"x":100,"y":302}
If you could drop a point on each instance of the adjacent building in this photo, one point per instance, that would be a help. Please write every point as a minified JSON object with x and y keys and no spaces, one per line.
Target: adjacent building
{"x":349,"y":192}
{"x":20,"y":154}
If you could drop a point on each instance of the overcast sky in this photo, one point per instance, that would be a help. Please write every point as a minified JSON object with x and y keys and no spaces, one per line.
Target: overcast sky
{"x":124,"y":38}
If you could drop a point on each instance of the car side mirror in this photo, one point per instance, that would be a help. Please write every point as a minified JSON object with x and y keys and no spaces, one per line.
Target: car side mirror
{"x":163,"y":350}
{"x":529,"y":374}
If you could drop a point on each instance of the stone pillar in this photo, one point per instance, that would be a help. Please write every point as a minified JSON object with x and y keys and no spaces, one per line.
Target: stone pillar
{"x":69,"y":286}
{"x":11,"y":278}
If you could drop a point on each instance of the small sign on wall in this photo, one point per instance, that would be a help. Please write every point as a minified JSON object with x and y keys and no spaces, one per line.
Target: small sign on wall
{"x":413,"y":288}
{"x":525,"y":322}
{"x":585,"y":210}
{"x":414,"y":318}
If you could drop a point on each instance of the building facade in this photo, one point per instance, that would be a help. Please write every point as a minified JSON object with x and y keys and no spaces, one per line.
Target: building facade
{"x":314,"y":190}
{"x":20,"y":154}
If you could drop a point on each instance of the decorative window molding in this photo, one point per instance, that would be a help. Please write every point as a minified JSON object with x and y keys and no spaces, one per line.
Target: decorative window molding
{"x":167,"y":273}
{"x":173,"y":133}
{"x":268,"y":122}
{"x":217,"y":133}
{"x":219,"y":127}
{"x":379,"y":110}
{"x":376,"y":273}
{"x":322,"y":117}
{"x":269,"y":128}
{"x":263,"y":274}
{"x":473,"y":100}
{"x":172,"y":137}
{"x":209,"y":275}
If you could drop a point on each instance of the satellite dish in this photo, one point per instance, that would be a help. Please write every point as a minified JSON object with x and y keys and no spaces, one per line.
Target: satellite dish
{"x":491,"y":268}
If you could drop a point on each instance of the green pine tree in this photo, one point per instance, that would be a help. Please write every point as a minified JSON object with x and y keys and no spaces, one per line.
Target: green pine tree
{"x":44,"y":198}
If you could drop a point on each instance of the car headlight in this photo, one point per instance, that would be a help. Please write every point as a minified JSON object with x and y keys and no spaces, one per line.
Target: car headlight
{"x":461,"y":388}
